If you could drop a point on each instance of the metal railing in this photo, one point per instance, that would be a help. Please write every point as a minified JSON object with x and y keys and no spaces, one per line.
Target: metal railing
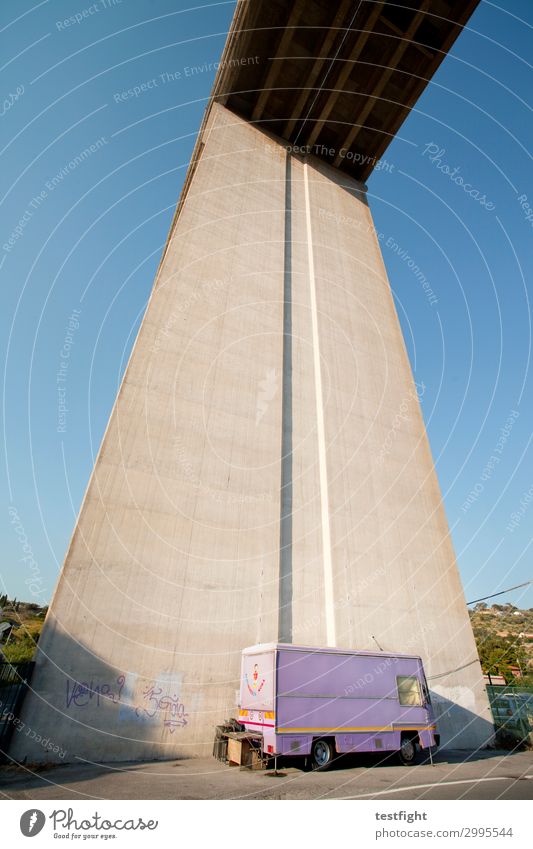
{"x":512,"y":711}
{"x":14,"y":682}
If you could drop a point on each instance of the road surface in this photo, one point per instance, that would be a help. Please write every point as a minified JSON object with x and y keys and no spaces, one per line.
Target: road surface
{"x":455,"y":775}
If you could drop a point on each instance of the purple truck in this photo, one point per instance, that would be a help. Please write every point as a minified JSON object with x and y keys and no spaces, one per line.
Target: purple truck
{"x":323,"y":702}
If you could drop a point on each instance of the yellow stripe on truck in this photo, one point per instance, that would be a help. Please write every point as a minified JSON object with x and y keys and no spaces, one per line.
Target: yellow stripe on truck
{"x":366,"y":728}
{"x":269,"y":714}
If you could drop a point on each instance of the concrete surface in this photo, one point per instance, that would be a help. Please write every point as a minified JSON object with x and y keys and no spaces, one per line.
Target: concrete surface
{"x":174,"y":565}
{"x":494,"y":775}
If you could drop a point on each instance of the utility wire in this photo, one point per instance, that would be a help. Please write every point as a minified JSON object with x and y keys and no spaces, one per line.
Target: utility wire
{"x":476,"y":660}
{"x":525,"y":584}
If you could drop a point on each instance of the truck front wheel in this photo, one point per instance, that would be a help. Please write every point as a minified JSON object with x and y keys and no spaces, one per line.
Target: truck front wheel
{"x":322,"y":754}
{"x":407,"y":753}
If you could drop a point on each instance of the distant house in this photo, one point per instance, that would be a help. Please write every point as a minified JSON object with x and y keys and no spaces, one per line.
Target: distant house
{"x":497,"y":680}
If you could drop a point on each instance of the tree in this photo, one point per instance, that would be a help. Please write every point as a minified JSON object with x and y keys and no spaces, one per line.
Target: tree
{"x":497,"y":655}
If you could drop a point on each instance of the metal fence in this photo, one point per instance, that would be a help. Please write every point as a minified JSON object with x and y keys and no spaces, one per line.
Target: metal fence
{"x":14,"y":681}
{"x":512,"y":711}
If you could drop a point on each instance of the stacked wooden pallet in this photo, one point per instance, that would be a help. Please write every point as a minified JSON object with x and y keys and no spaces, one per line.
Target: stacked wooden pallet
{"x":237,"y":747}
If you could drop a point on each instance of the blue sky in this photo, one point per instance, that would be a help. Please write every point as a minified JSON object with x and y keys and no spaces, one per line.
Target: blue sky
{"x":80,"y":246}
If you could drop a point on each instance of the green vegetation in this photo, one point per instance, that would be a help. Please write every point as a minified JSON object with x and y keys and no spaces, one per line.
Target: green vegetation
{"x":504,"y":637}
{"x":27,"y":620}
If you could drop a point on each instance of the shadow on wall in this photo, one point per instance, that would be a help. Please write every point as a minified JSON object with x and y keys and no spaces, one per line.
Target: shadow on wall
{"x":457,"y":721}
{"x":78,"y":706}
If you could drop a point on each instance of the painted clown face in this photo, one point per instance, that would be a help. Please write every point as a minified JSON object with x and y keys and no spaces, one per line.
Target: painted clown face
{"x":255,"y":685}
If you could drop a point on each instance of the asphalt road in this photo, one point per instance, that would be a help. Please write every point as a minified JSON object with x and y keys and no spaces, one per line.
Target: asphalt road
{"x":455,"y":775}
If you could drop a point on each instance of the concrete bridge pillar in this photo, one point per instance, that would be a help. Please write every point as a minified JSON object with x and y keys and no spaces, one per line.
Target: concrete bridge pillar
{"x":265,"y":475}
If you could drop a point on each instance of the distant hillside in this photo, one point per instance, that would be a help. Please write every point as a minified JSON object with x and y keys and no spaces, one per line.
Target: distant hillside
{"x":27,"y":619}
{"x":504,"y":637}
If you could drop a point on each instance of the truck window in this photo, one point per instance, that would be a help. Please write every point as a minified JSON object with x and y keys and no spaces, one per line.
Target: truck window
{"x":408,"y":690}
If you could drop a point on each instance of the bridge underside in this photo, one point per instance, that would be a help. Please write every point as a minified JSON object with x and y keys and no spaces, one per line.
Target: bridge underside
{"x":265,"y":475}
{"x":338,"y":78}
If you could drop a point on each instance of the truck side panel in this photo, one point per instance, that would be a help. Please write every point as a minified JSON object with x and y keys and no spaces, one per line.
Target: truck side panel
{"x":349,"y":696}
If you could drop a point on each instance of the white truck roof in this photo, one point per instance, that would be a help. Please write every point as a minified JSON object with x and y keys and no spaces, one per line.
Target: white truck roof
{"x":262,"y":648}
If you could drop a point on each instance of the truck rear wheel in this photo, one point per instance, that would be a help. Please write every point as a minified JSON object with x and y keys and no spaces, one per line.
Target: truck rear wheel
{"x":322,"y":754}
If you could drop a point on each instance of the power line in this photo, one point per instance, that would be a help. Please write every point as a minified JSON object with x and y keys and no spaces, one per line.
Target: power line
{"x":485,"y":597}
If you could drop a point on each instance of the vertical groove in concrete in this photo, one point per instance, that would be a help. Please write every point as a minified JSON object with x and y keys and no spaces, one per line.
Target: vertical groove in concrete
{"x":329,"y":607}
{"x":285,"y":529}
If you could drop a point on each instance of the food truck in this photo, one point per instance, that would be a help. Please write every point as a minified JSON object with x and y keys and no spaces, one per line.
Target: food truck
{"x":323,"y":702}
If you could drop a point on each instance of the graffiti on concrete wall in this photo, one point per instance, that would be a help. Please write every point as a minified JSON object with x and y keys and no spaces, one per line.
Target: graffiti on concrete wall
{"x":152,"y":702}
{"x":167,"y":706}
{"x":80,"y":694}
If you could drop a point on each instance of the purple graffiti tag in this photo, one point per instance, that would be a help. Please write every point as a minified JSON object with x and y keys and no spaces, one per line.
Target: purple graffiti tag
{"x":121,"y":680}
{"x":81,"y":693}
{"x":76,"y":694}
{"x":175,"y":716}
{"x":151,"y":694}
{"x":168,"y":707}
